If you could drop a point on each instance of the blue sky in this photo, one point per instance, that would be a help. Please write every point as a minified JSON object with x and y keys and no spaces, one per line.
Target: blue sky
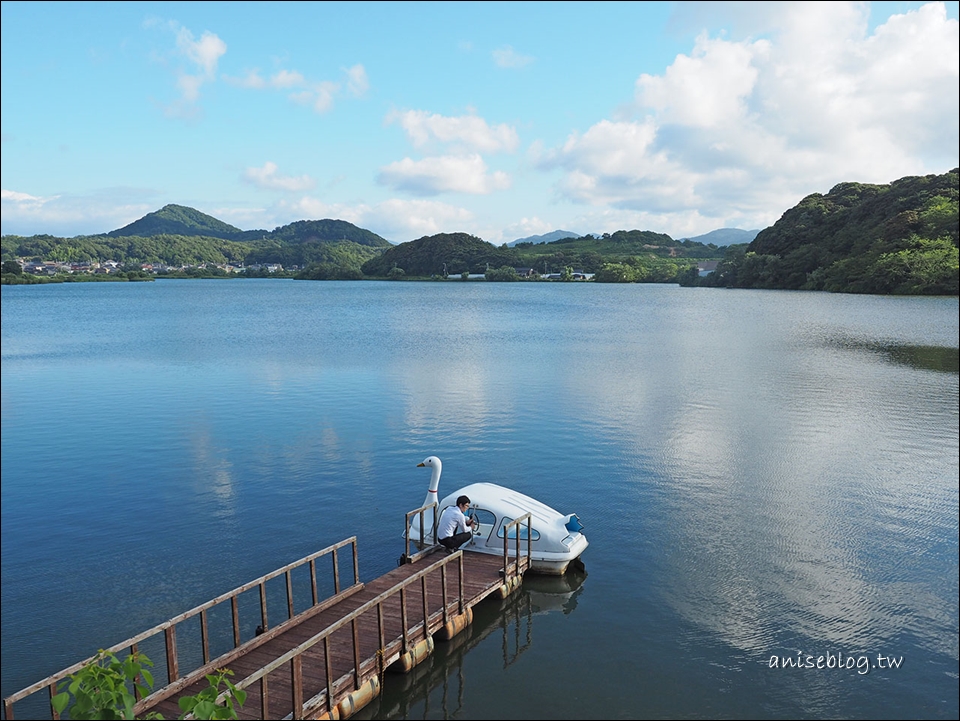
{"x":503,"y":120}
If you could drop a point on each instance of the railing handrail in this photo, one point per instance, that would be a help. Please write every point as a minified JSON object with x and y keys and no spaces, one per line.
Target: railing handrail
{"x":509,"y":566}
{"x":355,"y":614}
{"x":421,"y":512}
{"x":134,"y":640}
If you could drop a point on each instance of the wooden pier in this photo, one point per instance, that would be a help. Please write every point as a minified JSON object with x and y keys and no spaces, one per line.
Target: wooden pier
{"x":327,"y":661}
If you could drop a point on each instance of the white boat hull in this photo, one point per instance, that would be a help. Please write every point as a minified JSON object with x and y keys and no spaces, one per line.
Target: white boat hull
{"x":556,"y":538}
{"x":550,"y":564}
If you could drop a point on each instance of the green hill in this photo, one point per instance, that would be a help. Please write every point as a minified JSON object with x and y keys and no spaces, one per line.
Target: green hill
{"x":319,"y":231}
{"x":899,"y":238}
{"x":178,"y":220}
{"x":431,"y":255}
{"x":336,"y":244}
{"x":177,"y":235}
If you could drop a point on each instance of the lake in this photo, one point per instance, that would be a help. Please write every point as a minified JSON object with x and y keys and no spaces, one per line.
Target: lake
{"x":763,"y":475}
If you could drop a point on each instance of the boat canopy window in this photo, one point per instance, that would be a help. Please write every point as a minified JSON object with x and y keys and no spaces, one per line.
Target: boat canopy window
{"x":487,"y":519}
{"x":513,"y":531}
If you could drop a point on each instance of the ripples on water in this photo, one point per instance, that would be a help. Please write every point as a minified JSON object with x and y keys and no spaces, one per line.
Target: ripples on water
{"x":759,"y":473}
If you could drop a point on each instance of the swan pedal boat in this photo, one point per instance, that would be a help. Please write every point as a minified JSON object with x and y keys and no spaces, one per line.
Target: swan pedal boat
{"x":557,"y":539}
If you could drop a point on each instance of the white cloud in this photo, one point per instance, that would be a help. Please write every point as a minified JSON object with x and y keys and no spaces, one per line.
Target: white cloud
{"x":524,"y":228}
{"x":309,"y":208}
{"x":317,"y":94}
{"x":252,"y":80}
{"x":357,"y":82}
{"x":189,"y":87}
{"x":280,"y":80}
{"x":204,"y":55}
{"x":447,"y":173}
{"x":744,"y":129}
{"x":468,"y":131}
{"x":507,"y":57}
{"x":68,"y":215}
{"x":416,"y":218}
{"x":618,"y":164}
{"x":205,"y":52}
{"x":268,"y":178}
{"x":706,"y":90}
{"x":25,"y":198}
{"x":287,"y":79}
{"x":323,"y":95}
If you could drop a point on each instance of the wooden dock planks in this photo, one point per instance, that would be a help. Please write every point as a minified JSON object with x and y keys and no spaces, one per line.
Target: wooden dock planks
{"x":482,"y":576}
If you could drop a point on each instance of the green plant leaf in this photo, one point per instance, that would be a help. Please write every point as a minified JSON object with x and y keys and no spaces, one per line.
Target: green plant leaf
{"x":60,"y":701}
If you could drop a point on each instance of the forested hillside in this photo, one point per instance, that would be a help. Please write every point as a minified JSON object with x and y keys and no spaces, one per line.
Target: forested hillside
{"x":174,"y":250}
{"x":178,"y":236}
{"x":453,"y":253}
{"x":624,"y":256}
{"x":900,"y":238}
{"x":633,"y":247}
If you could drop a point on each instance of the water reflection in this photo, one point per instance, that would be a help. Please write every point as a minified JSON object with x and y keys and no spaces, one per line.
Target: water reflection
{"x":435,"y":688}
{"x":554,"y":593}
{"x":925,"y":357}
{"x":921,"y":357}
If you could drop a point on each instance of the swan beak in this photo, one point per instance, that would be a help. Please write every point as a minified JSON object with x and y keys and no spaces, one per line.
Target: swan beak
{"x":420,"y":465}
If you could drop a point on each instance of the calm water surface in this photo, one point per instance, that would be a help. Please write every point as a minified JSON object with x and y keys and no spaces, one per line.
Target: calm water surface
{"x":759,"y":473}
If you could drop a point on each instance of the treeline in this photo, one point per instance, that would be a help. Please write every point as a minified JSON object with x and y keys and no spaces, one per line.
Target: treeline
{"x":649,"y":257}
{"x":169,"y":249}
{"x":900,"y":238}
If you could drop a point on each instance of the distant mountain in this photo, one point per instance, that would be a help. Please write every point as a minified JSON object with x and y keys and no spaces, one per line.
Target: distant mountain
{"x":546,"y":237}
{"x":180,"y":220}
{"x":725,"y":236}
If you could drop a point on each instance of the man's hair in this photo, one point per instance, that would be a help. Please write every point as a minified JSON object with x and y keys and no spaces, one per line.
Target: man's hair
{"x":463,"y":499}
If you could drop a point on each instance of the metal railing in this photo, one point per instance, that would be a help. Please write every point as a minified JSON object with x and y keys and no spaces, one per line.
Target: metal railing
{"x":169,"y":628}
{"x":519,"y":564}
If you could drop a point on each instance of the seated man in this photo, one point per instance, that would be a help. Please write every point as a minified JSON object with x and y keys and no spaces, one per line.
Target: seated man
{"x":454,"y":528}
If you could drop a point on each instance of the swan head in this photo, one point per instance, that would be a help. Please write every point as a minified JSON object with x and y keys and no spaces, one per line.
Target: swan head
{"x":430,"y":462}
